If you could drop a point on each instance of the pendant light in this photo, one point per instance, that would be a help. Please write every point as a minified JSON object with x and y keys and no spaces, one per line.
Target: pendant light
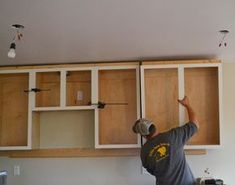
{"x":18,"y":36}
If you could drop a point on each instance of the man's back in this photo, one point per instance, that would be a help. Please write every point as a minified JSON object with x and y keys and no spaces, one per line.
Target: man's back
{"x":163,"y":156}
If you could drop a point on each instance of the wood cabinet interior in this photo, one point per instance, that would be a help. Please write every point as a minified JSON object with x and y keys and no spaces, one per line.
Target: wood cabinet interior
{"x":201,"y":86}
{"x":49,"y":83}
{"x":116,"y":121}
{"x":63,"y":129}
{"x":78,"y":88}
{"x":161,"y":94}
{"x":13,"y":109}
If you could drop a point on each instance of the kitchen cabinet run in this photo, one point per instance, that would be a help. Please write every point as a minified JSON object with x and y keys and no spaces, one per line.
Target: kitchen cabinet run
{"x":94,"y":106}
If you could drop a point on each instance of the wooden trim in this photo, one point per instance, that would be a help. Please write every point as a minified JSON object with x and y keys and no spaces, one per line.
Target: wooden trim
{"x":62,"y":153}
{"x":138,"y":101}
{"x":196,"y":152}
{"x":63,"y":89}
{"x":109,"y":63}
{"x":112,"y":64}
{"x":35,"y":133}
{"x":181,"y":92}
{"x":52,"y":66}
{"x":142,"y":91}
{"x":45,"y":66}
{"x":71,"y":153}
{"x":64,"y":108}
{"x":220,"y":85}
{"x":181,"y":62}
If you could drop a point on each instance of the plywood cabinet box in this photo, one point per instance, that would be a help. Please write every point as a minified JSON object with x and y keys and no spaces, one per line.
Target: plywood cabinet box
{"x":14,"y":111}
{"x":164,"y":84}
{"x":57,"y":107}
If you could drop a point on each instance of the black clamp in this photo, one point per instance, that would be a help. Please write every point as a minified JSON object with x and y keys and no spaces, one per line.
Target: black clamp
{"x":101,"y":105}
{"x":36,"y":90}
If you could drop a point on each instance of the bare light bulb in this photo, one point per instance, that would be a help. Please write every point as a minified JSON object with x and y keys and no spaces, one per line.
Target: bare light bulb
{"x":12,"y":51}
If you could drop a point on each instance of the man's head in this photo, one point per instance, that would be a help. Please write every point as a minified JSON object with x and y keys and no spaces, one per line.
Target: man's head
{"x":144,"y":127}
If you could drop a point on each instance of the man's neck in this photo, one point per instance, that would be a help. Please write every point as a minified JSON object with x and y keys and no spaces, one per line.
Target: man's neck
{"x":152,"y":136}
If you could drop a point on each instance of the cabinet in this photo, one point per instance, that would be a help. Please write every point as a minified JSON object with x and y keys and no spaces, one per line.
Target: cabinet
{"x":162,"y":85}
{"x":95,"y":106}
{"x":118,"y":89}
{"x":65,"y":117}
{"x":61,"y":107}
{"x":14,"y":111}
{"x":202,"y":84}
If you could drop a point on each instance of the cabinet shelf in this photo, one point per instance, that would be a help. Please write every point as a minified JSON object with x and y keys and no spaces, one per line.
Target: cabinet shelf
{"x":64,"y":108}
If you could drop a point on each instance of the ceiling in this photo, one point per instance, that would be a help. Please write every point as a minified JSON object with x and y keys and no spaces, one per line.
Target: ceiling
{"x":71,"y":31}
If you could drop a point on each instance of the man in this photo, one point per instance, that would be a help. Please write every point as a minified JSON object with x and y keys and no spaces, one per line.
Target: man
{"x":163,"y":153}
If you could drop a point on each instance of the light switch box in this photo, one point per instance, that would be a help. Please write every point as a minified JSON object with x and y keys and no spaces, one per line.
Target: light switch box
{"x":79,"y":95}
{"x":16,"y":170}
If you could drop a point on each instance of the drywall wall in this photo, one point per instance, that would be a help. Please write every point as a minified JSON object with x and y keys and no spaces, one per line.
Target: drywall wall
{"x":73,"y":129}
{"x":126,"y":170}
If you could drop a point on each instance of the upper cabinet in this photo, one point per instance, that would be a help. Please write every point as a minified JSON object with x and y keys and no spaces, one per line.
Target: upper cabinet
{"x":117,"y":89}
{"x":95,"y":106}
{"x":202,"y":86}
{"x":14,"y":110}
{"x":163,"y":84}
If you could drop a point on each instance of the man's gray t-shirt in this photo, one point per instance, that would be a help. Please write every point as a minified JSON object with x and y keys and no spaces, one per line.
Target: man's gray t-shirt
{"x":163,"y":156}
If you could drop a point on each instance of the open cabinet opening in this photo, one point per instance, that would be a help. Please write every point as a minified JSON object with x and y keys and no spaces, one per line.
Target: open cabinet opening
{"x":63,"y":129}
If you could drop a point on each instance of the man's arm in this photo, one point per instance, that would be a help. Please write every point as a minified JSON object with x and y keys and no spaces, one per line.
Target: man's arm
{"x":191,"y":113}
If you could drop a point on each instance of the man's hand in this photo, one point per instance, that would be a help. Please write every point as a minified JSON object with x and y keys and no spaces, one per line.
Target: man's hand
{"x":191,"y":114}
{"x":184,"y":101}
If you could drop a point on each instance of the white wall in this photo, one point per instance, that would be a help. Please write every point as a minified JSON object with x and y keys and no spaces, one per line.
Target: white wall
{"x":126,"y":170}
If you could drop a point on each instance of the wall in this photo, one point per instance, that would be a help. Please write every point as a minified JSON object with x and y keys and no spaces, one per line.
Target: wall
{"x":73,"y":129}
{"x":126,"y":170}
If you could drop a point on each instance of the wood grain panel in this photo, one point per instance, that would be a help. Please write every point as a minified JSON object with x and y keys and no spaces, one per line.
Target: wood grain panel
{"x":161,"y":94}
{"x":78,"y":81}
{"x":116,"y":121}
{"x":49,"y":81}
{"x":14,"y":109}
{"x":201,"y":86}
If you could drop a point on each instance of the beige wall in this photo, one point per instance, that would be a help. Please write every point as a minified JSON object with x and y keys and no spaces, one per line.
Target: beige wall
{"x":126,"y":170}
{"x":73,"y":129}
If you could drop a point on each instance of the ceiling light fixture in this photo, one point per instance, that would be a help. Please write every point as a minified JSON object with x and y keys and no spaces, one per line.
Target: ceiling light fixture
{"x":18,"y":36}
{"x":224,"y":33}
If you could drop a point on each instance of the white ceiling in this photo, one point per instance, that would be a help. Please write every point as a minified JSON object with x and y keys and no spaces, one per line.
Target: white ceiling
{"x":67,"y":31}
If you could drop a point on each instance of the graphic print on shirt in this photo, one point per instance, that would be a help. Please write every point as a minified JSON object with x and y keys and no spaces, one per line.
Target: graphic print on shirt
{"x":160,"y":151}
